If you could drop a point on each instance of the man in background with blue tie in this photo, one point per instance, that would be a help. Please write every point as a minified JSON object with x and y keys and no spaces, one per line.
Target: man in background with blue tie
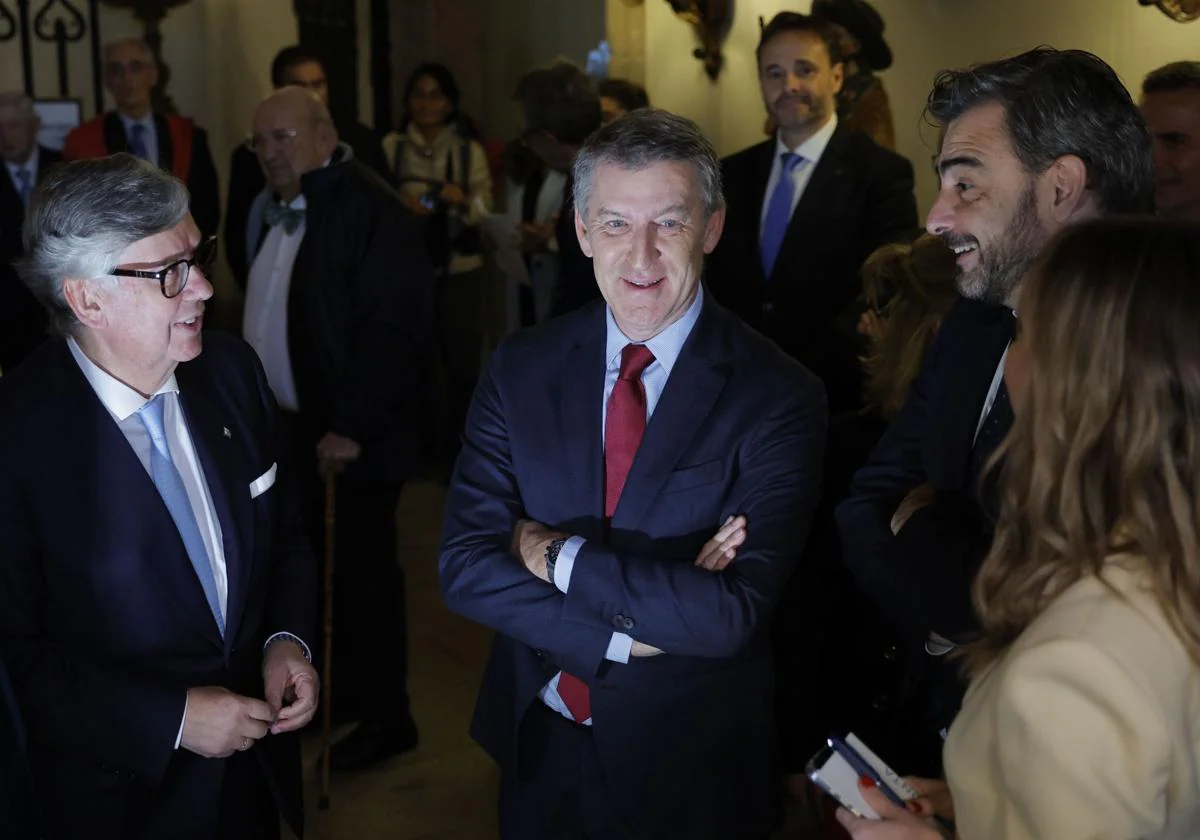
{"x":22,"y":320}
{"x":806,"y":208}
{"x":172,"y":143}
{"x":157,"y":593}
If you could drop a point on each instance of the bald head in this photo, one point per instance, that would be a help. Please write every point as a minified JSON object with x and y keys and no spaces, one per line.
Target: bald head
{"x":293,"y":135}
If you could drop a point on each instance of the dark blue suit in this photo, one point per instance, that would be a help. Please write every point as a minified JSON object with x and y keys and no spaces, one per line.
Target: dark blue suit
{"x":685,"y":740}
{"x":103,"y":622}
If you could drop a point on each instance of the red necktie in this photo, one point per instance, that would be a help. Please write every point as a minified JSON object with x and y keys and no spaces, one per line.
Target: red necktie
{"x":624,"y":425}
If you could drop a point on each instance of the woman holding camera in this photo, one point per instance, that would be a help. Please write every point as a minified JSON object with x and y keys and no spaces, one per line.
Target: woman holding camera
{"x":442,"y":174}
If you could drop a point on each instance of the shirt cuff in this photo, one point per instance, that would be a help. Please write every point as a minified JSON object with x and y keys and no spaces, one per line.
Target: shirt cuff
{"x":182,"y":721}
{"x":619,"y":647}
{"x":291,"y":637}
{"x":566,"y":562}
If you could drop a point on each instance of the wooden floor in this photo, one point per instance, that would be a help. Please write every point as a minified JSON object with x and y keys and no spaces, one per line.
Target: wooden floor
{"x":446,"y":788}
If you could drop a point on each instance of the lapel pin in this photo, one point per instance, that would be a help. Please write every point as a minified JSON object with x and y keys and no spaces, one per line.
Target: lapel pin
{"x":225,"y":431}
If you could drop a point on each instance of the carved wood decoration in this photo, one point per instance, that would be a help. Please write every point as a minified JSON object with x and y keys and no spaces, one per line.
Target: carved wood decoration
{"x":151,"y":13}
{"x":710,"y":18}
{"x":1180,"y":10}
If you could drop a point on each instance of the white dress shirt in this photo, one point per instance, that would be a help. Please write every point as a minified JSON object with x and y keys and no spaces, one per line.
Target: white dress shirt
{"x":265,"y":323}
{"x":150,"y":138}
{"x":666,"y":347}
{"x":122,"y":402}
{"x":30,"y":166}
{"x":811,"y":150}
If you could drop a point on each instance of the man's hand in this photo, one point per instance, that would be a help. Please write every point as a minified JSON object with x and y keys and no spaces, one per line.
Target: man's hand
{"x":530,"y":541}
{"x":334,"y":453}
{"x":719,"y":552}
{"x":533,"y":237}
{"x":291,"y":685}
{"x":218,"y":722}
{"x":920,"y":496}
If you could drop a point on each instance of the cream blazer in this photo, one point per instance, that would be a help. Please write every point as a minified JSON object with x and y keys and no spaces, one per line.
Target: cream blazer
{"x":1087,"y":729}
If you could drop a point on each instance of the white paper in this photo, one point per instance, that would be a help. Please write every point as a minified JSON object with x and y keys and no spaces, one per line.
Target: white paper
{"x":502,"y":230}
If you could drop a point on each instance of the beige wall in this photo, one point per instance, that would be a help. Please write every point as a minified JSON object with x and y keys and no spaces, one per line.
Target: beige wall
{"x":925,"y":36}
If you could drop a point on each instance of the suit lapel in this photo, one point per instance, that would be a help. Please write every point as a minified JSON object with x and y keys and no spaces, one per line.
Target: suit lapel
{"x":581,"y":403}
{"x":166,"y":150}
{"x":230,"y":495}
{"x":754,"y":194}
{"x":114,"y":134}
{"x":813,"y":207}
{"x":696,"y":381}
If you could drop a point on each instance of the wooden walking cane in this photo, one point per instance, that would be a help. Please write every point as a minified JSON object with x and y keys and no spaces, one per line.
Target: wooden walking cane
{"x":327,"y":676}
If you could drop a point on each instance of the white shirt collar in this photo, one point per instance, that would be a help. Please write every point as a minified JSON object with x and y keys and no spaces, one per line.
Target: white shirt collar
{"x":30,"y":165}
{"x":120,"y":400}
{"x":812,"y":148}
{"x":666,"y":346}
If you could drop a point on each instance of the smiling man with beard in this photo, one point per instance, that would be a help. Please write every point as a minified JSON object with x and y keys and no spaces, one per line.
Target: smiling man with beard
{"x":806,"y":208}
{"x":1031,"y":145}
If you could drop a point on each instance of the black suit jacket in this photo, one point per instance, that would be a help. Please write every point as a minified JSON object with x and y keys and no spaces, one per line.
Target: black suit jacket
{"x":246,"y":181}
{"x":923,"y":576}
{"x":202,"y":174}
{"x":22,"y":318}
{"x":576,"y":277}
{"x":858,"y":198}
{"x":360,"y":315}
{"x":686,"y":739}
{"x":103,"y":622}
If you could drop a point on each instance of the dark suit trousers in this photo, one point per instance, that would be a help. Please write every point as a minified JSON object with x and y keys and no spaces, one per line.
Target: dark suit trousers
{"x":370,"y":638}
{"x":557,"y":792}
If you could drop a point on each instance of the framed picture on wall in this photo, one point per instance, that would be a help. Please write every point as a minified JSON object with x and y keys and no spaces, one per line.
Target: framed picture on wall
{"x":59,"y":116}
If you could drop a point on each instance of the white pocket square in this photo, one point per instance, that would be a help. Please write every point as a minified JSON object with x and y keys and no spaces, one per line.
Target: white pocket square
{"x":263,"y":483}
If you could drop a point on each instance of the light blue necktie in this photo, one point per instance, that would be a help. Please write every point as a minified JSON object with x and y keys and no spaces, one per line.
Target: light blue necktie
{"x":137,"y":141}
{"x":25,"y":187}
{"x":779,"y":212}
{"x":170,"y":486}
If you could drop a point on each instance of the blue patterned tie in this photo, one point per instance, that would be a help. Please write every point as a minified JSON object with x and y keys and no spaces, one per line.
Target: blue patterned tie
{"x":137,"y":141}
{"x":25,"y":188}
{"x":174,"y":495}
{"x":779,"y":212}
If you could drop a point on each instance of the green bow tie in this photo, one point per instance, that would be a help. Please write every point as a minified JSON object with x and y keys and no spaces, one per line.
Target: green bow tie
{"x":290,"y":217}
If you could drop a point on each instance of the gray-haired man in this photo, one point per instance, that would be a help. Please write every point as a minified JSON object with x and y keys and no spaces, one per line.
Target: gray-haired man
{"x":22,"y":322}
{"x":156,"y":589}
{"x":629,"y":689}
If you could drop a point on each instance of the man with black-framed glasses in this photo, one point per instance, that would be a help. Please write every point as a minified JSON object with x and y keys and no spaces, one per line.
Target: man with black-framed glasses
{"x":157,"y":593}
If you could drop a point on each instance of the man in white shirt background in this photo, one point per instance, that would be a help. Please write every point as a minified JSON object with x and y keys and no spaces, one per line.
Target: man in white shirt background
{"x":22,"y":320}
{"x":157,"y":594}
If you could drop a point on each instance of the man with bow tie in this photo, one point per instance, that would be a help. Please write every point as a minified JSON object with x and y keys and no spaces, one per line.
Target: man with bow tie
{"x":157,"y":594}
{"x":22,"y":320}
{"x":339,"y":308}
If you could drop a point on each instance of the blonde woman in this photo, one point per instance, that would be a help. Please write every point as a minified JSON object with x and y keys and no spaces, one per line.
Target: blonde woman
{"x":1083,"y":715}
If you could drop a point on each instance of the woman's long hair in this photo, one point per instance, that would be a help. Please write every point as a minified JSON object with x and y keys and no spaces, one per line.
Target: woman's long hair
{"x":1104,"y":454}
{"x":446,"y":82}
{"x":911,"y":288}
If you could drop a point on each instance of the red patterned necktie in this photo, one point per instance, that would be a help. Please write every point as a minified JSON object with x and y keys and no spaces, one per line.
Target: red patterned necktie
{"x":624,"y":425}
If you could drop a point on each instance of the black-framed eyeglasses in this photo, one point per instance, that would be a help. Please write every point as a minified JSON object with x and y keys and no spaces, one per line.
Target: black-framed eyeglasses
{"x":174,"y":277}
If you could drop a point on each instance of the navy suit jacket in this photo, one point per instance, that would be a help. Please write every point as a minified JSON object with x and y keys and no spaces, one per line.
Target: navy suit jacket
{"x":923,"y":575}
{"x":686,"y":738}
{"x":103,"y":622}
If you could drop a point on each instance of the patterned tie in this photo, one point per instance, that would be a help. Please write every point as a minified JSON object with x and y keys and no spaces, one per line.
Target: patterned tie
{"x":174,"y":495}
{"x":779,"y":212}
{"x":290,"y":217}
{"x":25,"y":185}
{"x":137,"y":141}
{"x":624,"y":425}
